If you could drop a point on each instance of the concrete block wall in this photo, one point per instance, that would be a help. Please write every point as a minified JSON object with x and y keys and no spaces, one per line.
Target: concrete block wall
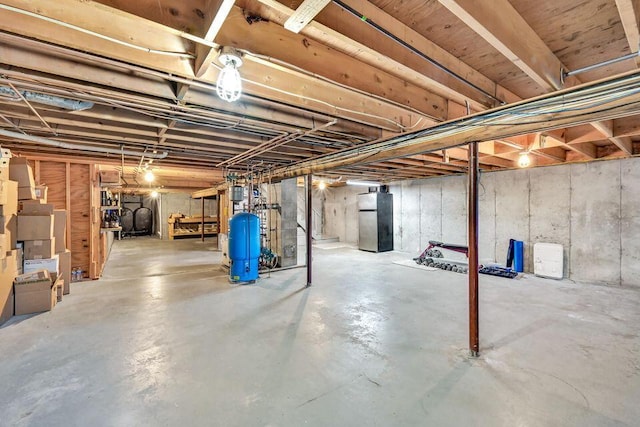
{"x":592,"y":209}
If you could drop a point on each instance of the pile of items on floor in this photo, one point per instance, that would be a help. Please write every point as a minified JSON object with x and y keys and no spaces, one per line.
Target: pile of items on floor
{"x":35,"y":265}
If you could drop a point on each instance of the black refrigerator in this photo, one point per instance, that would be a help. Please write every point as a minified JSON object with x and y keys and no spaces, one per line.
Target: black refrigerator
{"x":375,"y":219}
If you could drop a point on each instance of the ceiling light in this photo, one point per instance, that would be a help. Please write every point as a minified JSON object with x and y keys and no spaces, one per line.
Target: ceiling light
{"x":364,"y":183}
{"x":229,"y":84}
{"x":149,"y":176}
{"x":304,"y":14}
{"x":154,"y":194}
{"x":524,"y":160}
{"x":322,"y":185}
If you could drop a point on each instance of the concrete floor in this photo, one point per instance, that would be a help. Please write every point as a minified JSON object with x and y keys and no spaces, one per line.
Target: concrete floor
{"x":164,"y":339}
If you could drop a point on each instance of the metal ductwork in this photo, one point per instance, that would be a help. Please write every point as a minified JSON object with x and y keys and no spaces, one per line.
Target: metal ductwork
{"x":41,"y":98}
{"x":68,"y":146}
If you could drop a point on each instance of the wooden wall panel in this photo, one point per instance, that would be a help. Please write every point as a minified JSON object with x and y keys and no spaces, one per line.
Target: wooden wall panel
{"x":54,"y":175}
{"x":80,"y":192}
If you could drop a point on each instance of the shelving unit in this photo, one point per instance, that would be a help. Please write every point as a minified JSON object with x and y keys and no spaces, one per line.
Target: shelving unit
{"x":109,"y":189}
{"x":186,"y":227}
{"x":104,"y":230}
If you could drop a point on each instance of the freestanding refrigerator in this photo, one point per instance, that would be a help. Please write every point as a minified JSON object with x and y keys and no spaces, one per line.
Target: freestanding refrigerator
{"x":375,"y":217}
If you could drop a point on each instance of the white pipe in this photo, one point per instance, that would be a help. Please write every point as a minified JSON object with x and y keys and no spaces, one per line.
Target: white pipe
{"x":60,"y":144}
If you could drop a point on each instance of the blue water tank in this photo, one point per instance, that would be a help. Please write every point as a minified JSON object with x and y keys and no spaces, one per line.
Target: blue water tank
{"x":244,"y":247}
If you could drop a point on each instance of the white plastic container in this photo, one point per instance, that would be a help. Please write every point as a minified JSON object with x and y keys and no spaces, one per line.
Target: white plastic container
{"x":548,"y":260}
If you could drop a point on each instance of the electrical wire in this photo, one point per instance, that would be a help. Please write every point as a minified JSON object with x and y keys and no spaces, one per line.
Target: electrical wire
{"x":325,"y":103}
{"x":95,"y":34}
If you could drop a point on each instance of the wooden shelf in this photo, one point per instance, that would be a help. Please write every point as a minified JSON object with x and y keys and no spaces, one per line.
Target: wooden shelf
{"x":197,"y":220}
{"x":192,"y":226}
{"x":105,"y":230}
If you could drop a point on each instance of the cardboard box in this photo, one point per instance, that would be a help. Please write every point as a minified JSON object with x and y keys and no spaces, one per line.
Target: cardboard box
{"x":110,"y":177}
{"x":5,"y":156}
{"x":59,"y":285}
{"x":64,"y":266}
{"x":3,"y":245}
{"x":8,"y":211}
{"x":7,"y":275}
{"x":39,"y":249}
{"x":34,"y":207}
{"x":41,"y":193}
{"x":10,"y":191}
{"x":60,"y":229}
{"x":35,"y":227}
{"x":26,"y":193}
{"x":52,"y":265}
{"x":3,"y":193}
{"x":19,"y":170}
{"x":34,"y":293}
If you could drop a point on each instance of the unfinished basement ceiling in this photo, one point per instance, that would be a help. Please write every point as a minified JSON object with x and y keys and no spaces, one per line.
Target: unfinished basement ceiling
{"x":149,"y":69}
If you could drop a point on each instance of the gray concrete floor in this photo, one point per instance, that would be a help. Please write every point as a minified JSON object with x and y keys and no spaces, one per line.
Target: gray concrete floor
{"x":164,"y":339}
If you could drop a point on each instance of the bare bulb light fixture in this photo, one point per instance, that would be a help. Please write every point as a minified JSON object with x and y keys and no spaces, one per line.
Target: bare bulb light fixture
{"x":524,"y":160}
{"x":154,"y":194}
{"x":322,"y":185}
{"x":149,"y":176}
{"x":229,"y":84}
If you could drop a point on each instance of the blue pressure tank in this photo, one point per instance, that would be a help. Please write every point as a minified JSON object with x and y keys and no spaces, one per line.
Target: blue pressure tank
{"x":244,"y":247}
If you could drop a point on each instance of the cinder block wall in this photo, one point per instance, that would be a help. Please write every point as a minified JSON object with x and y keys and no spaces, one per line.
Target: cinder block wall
{"x":592,"y":209}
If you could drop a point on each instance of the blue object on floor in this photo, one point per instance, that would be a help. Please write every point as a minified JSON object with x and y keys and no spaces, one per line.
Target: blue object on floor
{"x":518,"y":256}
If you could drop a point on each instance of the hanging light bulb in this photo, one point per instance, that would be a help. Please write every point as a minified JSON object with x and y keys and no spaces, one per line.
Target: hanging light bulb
{"x":149,"y":176}
{"x":322,"y":185}
{"x":154,"y":194}
{"x":524,"y":160}
{"x":229,"y":84}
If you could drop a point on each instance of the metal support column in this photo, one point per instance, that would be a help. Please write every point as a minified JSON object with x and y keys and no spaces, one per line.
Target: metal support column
{"x":202,"y":220}
{"x":308,"y":226}
{"x":474,"y":340}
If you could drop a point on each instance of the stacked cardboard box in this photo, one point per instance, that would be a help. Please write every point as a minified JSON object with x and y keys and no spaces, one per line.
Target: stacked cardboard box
{"x":35,"y":265}
{"x":8,"y":224}
{"x":20,"y":171}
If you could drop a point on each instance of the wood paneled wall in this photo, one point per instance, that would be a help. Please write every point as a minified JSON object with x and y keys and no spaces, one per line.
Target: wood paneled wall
{"x":74,"y":187}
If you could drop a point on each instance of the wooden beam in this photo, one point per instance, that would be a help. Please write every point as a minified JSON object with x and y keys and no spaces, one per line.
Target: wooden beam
{"x":629,"y":11}
{"x":501,"y":25}
{"x":606,"y":128}
{"x":627,"y":126}
{"x":216,"y":12}
{"x":342,"y":31}
{"x":100,"y":19}
{"x":263,"y":79}
{"x":623,"y":143}
{"x":270,"y":40}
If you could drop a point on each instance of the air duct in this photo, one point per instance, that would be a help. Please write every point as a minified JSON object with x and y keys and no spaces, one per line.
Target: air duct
{"x":68,"y":146}
{"x":41,"y":98}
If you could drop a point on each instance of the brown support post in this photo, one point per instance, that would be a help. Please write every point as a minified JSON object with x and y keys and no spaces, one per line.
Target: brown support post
{"x":308,"y":225}
{"x":202,"y":223}
{"x":474,"y":340}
